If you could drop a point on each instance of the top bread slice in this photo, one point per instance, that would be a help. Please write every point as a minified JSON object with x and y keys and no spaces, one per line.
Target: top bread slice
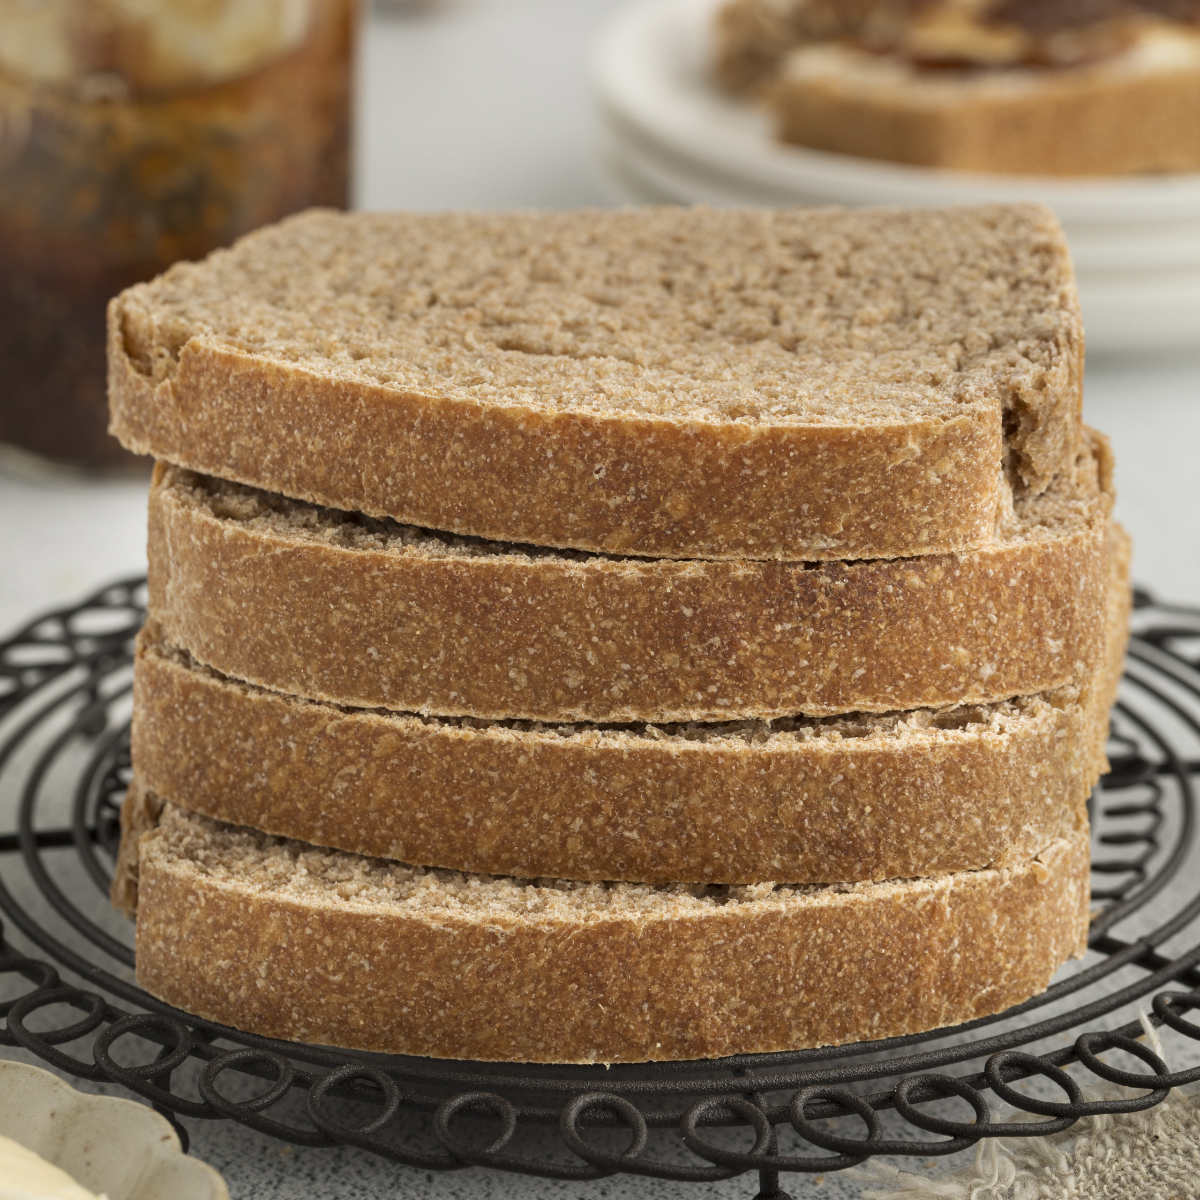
{"x":800,"y":385}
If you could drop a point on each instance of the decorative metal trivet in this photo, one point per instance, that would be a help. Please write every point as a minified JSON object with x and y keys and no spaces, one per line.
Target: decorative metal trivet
{"x":67,"y":992}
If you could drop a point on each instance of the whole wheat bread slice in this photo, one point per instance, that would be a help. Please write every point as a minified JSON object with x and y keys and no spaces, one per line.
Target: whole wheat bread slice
{"x":810,"y":384}
{"x":1135,"y":112}
{"x":333,"y":607}
{"x":282,"y":939}
{"x":800,"y":800}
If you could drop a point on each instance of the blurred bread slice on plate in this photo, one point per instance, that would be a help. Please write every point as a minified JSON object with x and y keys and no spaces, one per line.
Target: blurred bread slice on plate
{"x":673,"y":134}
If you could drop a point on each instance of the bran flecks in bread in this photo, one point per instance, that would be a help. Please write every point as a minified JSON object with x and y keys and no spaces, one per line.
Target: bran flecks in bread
{"x":800,"y":385}
{"x":325,"y":605}
{"x":290,"y":941}
{"x":801,"y":800}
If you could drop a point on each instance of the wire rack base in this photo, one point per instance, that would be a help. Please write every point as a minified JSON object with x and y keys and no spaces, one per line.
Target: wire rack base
{"x":67,"y":993}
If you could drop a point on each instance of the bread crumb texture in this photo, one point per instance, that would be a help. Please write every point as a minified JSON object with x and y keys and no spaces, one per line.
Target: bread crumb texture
{"x":798,"y":799}
{"x":450,"y":626}
{"x":675,"y":382}
{"x":287,"y":940}
{"x":759,"y":317}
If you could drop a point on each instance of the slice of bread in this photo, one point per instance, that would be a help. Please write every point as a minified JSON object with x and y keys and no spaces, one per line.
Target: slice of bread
{"x":1133,"y":112}
{"x":798,"y":800}
{"x":333,"y":607}
{"x":278,"y":938}
{"x":808,"y":384}
{"x":805,"y":800}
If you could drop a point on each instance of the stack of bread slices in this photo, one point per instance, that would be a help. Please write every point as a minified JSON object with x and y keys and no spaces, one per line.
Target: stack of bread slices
{"x":616,"y":636}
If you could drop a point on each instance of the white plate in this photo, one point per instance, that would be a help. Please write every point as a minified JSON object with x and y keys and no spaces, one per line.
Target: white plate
{"x":1126,"y":313}
{"x":113,"y":1147}
{"x":651,"y":71}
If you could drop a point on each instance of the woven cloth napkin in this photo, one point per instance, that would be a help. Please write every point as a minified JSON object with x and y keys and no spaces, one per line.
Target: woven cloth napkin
{"x":1151,"y":1155}
{"x":1148,"y":1155}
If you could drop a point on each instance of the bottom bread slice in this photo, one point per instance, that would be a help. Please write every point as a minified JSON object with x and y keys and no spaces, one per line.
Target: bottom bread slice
{"x":283,"y":939}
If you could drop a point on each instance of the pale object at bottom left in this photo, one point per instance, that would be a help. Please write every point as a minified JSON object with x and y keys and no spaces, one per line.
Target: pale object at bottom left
{"x":107,"y":1146}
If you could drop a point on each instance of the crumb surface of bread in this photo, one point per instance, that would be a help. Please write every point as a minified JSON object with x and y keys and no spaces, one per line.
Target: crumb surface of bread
{"x":453,"y":627}
{"x":858,"y":797}
{"x":665,"y":382}
{"x":290,"y":941}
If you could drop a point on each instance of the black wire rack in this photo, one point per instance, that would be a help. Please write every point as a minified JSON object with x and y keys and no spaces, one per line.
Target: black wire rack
{"x":67,"y":992}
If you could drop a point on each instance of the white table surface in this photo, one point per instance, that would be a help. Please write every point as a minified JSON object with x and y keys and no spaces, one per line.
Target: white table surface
{"x":483,"y":104}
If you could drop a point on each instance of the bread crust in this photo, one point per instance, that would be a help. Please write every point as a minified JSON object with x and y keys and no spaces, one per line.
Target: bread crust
{"x":955,"y":791}
{"x":140,"y":814}
{"x":544,"y":637}
{"x":724,"y":979}
{"x":1094,"y":120}
{"x":668,"y":485}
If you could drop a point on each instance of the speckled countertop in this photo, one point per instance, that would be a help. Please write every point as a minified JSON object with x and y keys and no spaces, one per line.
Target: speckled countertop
{"x":258,"y":1168}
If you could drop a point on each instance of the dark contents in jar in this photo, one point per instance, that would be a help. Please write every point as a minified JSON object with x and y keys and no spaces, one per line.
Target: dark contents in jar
{"x":99,"y":193}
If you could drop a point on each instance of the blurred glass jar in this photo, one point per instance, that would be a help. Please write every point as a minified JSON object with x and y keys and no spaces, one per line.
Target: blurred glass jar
{"x":134,"y":133}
